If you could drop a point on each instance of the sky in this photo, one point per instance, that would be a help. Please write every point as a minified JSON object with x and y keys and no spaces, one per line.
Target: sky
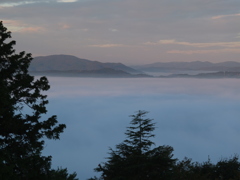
{"x":127,"y":31}
{"x":199,"y":118}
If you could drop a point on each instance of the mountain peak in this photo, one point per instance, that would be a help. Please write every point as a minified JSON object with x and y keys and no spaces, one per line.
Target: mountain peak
{"x":68,"y":63}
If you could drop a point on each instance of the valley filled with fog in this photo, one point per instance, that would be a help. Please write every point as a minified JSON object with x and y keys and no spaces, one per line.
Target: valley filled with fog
{"x":197,"y":117}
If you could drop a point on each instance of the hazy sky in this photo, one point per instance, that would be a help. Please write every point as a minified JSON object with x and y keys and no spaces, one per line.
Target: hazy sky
{"x":127,"y":31}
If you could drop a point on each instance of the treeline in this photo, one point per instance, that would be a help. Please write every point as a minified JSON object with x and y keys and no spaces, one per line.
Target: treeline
{"x":135,"y":159}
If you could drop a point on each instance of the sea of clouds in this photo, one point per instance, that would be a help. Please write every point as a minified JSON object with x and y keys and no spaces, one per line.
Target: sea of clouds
{"x":197,"y":117}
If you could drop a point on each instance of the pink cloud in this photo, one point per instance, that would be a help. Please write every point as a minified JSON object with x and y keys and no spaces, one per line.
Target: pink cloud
{"x":32,"y":29}
{"x":204,"y":51}
{"x":64,"y":26}
{"x":224,"y":16}
{"x":108,"y":45}
{"x":18,"y":26}
{"x":200,"y":45}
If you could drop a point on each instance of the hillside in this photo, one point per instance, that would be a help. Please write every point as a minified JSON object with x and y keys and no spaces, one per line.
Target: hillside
{"x":72,"y":63}
{"x":185,"y":66}
{"x":214,"y":75}
{"x":104,"y":72}
{"x":71,"y":66}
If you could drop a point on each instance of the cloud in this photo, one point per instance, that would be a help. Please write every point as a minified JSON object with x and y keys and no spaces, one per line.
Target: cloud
{"x":32,"y":29}
{"x":191,"y":116}
{"x":107,"y":45}
{"x":12,"y":25}
{"x":122,"y":23}
{"x":19,"y":3}
{"x":85,"y":29}
{"x":67,"y":1}
{"x":220,"y":47}
{"x":225,"y":16}
{"x":113,"y":30}
{"x":200,"y":45}
{"x":18,"y":26}
{"x":204,"y":51}
{"x":64,"y":26}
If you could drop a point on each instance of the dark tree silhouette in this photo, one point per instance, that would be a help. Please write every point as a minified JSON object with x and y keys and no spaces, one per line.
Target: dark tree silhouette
{"x":134,"y":159}
{"x":22,"y":127}
{"x":62,"y":174}
{"x":227,"y":169}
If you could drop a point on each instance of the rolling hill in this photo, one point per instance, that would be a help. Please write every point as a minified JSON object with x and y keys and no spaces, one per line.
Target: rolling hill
{"x":72,"y":63}
{"x":195,"y":65}
{"x":71,"y":66}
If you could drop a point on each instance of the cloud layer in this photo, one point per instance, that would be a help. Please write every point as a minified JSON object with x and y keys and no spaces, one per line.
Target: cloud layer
{"x":199,"y":118}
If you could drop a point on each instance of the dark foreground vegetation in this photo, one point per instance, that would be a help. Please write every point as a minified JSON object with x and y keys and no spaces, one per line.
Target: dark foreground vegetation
{"x":134,"y":159}
{"x":21,"y":136}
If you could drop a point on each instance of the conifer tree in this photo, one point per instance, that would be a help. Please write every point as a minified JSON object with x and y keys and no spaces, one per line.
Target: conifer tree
{"x":139,"y":133}
{"x":22,"y":127}
{"x":134,"y":159}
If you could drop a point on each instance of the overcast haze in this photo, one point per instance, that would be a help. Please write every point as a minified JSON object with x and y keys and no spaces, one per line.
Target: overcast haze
{"x":127,"y":31}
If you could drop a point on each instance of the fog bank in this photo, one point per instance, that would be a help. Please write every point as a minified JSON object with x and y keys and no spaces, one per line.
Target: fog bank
{"x":197,"y":117}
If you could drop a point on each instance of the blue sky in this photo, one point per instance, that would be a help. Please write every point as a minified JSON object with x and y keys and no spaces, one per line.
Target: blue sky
{"x":127,"y":31}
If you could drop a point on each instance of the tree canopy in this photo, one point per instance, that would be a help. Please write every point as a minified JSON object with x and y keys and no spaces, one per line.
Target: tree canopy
{"x":22,"y":127}
{"x":134,"y":159}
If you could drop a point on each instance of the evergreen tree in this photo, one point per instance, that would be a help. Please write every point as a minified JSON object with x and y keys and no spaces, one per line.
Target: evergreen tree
{"x":22,"y":128}
{"x":139,"y":133}
{"x":134,"y":159}
{"x":62,"y":174}
{"x":227,"y":169}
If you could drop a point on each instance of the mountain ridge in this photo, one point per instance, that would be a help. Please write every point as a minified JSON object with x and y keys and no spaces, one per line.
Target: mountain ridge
{"x":194,"y":65}
{"x":68,"y":62}
{"x":68,"y":65}
{"x":105,"y":72}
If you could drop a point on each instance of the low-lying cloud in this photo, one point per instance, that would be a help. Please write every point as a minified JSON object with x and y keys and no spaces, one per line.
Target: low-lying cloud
{"x":197,"y":117}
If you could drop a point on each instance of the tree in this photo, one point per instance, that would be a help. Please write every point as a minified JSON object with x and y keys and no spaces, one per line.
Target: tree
{"x":227,"y":169}
{"x":134,"y":159}
{"x":22,"y":104}
{"x":139,"y":133}
{"x":62,"y":174}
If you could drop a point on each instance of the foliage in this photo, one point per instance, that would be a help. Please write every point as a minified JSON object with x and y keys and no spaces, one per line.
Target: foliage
{"x":139,"y":133}
{"x":227,"y":169}
{"x":22,"y":127}
{"x":134,"y":159}
{"x":62,"y":174}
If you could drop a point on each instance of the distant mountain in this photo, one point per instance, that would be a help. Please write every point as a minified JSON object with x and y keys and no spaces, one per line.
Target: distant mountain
{"x":195,"y":65}
{"x":214,"y":75}
{"x":67,"y":65}
{"x":105,"y":72}
{"x":72,"y":63}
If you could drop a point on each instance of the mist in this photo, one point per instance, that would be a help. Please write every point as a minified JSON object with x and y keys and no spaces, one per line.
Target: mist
{"x":199,"y":118}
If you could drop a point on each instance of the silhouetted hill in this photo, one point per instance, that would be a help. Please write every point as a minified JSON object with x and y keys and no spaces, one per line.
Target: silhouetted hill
{"x":72,"y":63}
{"x":214,"y":75}
{"x":195,"y":65}
{"x":105,"y":72}
{"x":67,"y":65}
